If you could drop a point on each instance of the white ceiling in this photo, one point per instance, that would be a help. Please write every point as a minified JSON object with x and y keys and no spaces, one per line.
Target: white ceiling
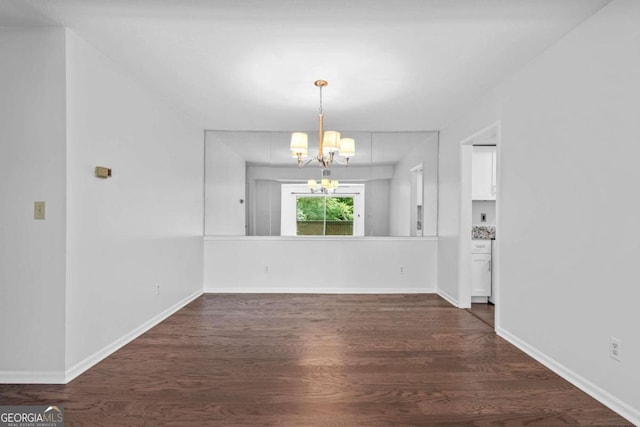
{"x":250,"y":65}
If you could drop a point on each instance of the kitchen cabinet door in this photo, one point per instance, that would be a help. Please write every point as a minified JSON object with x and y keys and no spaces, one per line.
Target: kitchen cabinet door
{"x":483,"y":173}
{"x":481,"y":275}
{"x":494,"y":172}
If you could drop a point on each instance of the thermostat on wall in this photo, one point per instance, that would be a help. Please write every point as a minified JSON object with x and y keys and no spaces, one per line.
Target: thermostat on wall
{"x":102,"y":172}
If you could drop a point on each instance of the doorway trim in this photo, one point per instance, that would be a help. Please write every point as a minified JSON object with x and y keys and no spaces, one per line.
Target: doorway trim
{"x":416,"y":215}
{"x":491,"y":132}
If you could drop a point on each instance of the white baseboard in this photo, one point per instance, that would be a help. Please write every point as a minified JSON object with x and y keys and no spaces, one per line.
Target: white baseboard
{"x":603,"y":396}
{"x":31,"y":377}
{"x":101,"y":354}
{"x":299,"y":290}
{"x":451,"y":300}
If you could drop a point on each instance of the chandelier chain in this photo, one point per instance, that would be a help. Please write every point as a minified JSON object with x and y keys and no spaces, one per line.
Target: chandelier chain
{"x":320,"y":99}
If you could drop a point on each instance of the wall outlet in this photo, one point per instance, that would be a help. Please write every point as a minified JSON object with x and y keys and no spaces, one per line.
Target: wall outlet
{"x":483,"y":217}
{"x":615,"y":349}
{"x":401,"y":269}
{"x":157,"y":289}
{"x":266,"y":268}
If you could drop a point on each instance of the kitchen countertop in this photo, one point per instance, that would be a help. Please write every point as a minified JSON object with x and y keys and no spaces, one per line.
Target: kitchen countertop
{"x":483,"y":232}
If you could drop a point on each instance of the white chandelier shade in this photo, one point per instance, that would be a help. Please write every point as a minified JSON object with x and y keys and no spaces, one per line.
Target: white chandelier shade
{"x":347,"y":147}
{"x":326,"y":186}
{"x":299,"y":144}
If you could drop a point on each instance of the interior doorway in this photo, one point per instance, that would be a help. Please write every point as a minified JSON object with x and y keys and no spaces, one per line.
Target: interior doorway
{"x":469,"y":224}
{"x":416,"y":201}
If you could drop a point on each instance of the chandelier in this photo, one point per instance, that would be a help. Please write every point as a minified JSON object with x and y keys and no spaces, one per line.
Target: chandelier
{"x":329,"y":143}
{"x":325,"y":186}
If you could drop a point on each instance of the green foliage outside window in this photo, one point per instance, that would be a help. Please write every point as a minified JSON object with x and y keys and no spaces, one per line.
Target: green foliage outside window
{"x":312,"y":208}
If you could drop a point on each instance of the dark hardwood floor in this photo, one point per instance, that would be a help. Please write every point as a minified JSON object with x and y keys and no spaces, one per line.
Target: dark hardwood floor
{"x":318,"y":360}
{"x":485,"y":312}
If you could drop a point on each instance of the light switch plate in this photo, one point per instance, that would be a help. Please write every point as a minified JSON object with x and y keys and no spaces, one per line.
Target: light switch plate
{"x":39,"y":210}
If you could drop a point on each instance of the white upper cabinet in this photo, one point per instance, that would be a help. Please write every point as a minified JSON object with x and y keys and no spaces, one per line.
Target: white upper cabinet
{"x":483,"y":173}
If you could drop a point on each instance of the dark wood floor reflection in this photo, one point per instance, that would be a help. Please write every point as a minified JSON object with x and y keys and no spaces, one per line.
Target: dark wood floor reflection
{"x":485,"y":312}
{"x":317,"y":360}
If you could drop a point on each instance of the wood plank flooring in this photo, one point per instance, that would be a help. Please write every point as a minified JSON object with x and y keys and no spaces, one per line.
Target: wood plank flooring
{"x":485,"y":312}
{"x":318,"y":360}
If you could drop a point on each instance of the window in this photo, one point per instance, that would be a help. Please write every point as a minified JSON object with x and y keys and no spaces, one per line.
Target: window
{"x":324,"y":215}
{"x":307,"y":214}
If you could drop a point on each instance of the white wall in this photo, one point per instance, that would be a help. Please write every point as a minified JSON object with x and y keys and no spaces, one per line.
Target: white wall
{"x":426,"y":152}
{"x":225,"y":187}
{"x":140,"y":228}
{"x":238,"y":265}
{"x":569,"y":176}
{"x":264,"y":208}
{"x":377,"y":207}
{"x":483,"y":206}
{"x":32,"y":167}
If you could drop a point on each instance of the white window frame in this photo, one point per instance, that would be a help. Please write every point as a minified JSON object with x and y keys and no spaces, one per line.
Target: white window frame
{"x":290,"y":193}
